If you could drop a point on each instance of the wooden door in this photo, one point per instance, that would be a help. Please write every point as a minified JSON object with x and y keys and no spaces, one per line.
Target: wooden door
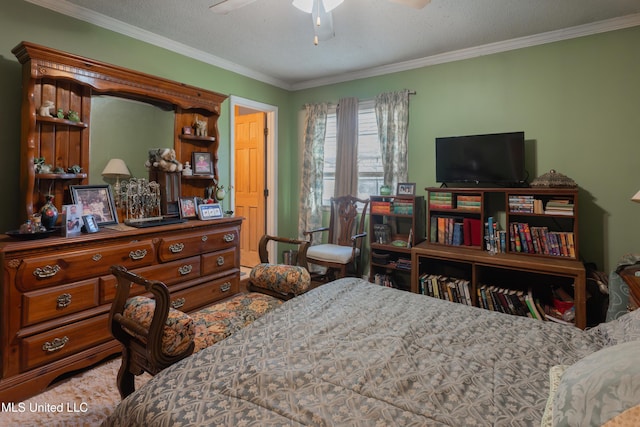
{"x":250,"y":183}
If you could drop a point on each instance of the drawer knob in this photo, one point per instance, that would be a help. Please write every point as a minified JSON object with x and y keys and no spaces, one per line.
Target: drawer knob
{"x":138,"y":254}
{"x":178,"y":303}
{"x":63,"y":301}
{"x":97,"y":257}
{"x":225,"y":287}
{"x":185,"y":269}
{"x":176,"y":248}
{"x":220,"y":261}
{"x":46,"y":271}
{"x":204,"y":238}
{"x":55,"y":345}
{"x":229,"y":237}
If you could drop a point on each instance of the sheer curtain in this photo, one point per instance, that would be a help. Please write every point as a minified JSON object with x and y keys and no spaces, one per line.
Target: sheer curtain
{"x":392,"y":116}
{"x":347,"y":148}
{"x":315,"y":126}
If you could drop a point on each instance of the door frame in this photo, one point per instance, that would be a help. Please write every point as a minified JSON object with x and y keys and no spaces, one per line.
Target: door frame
{"x":271,"y":160}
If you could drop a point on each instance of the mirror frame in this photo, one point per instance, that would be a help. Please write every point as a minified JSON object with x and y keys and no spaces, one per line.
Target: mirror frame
{"x":42,"y":64}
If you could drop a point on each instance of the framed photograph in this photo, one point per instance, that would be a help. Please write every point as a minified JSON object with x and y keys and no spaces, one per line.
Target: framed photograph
{"x":210,"y":211}
{"x":406,"y":189}
{"x":72,"y":222}
{"x":90,"y":225}
{"x":201,"y":163}
{"x":97,"y":200}
{"x":188,"y":207}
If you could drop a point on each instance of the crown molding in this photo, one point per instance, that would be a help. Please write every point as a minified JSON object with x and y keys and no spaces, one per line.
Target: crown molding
{"x":66,"y":8}
{"x":477,"y":51}
{"x":81,"y":13}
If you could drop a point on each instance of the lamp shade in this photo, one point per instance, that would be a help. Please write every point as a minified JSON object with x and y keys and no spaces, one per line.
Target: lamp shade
{"x":116,"y":168}
{"x":636,"y":197}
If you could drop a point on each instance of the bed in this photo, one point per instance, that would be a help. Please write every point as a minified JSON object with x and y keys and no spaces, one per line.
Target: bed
{"x":353,"y":353}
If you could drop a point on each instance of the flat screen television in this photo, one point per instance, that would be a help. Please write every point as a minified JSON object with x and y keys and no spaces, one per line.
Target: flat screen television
{"x":492,"y":159}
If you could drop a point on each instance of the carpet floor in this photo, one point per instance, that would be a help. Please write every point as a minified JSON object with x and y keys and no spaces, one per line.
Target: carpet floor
{"x":86,"y":399}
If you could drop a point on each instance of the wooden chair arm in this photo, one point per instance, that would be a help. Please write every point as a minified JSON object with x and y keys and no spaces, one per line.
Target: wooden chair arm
{"x":303,"y":246}
{"x":123,"y":329}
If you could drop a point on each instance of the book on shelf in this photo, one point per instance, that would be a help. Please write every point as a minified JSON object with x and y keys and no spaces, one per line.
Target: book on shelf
{"x":539,"y":240}
{"x":446,"y":288}
{"x":559,"y":207}
{"x":440,"y":200}
{"x":380,"y":207}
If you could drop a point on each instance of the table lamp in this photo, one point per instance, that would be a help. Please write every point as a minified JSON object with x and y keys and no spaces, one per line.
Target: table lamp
{"x":116,"y":168}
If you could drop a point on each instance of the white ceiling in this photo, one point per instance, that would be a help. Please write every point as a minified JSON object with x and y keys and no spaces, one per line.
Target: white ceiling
{"x":272,"y":41}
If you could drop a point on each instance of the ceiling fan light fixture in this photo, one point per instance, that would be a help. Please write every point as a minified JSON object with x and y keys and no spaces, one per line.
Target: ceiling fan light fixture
{"x":307,"y":5}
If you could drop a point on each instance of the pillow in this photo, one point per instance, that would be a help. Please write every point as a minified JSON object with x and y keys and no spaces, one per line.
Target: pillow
{"x":286,"y":279}
{"x":598,"y":387}
{"x":624,"y":329}
{"x":618,"y":296}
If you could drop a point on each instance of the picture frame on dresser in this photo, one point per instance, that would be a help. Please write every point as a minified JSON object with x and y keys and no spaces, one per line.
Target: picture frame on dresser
{"x":188,"y":207}
{"x":210,"y":211}
{"x":97,"y":200}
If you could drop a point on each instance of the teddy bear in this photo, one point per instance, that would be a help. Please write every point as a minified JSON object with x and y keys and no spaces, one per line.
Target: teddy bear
{"x":163,"y":159}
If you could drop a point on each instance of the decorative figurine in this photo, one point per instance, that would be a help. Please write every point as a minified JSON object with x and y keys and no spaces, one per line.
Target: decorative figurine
{"x":49,"y":213}
{"x":60,"y":113}
{"x":45,"y":109}
{"x":200,"y":127}
{"x":73,"y":116}
{"x":74,"y":169}
{"x":186,"y":171}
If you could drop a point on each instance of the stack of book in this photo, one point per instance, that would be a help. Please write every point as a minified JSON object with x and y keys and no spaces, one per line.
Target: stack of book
{"x":521,"y":203}
{"x":380,"y":207}
{"x":438,"y":200}
{"x":559,"y":207}
{"x":403,"y":206}
{"x":446,"y":288}
{"x":403,"y":264}
{"x":471,"y":203}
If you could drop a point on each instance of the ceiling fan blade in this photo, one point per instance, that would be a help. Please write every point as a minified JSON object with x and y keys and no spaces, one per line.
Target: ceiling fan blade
{"x":416,"y":4}
{"x":223,"y":7}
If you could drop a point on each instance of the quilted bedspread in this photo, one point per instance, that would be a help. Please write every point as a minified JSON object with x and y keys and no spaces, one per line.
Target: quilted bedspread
{"x":351,"y":353}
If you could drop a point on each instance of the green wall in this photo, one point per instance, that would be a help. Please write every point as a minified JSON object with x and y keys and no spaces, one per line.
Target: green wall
{"x":577,"y":101}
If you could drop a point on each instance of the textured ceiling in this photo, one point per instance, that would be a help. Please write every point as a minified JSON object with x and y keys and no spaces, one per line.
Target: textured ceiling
{"x":272,"y":41}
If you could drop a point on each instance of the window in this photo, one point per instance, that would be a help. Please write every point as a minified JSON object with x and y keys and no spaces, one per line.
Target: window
{"x":370,"y":173}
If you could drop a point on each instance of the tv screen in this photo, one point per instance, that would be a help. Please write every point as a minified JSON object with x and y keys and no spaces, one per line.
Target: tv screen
{"x":494,"y":158}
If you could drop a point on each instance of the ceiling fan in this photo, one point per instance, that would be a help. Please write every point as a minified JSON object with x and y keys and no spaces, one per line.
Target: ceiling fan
{"x":320,"y":11}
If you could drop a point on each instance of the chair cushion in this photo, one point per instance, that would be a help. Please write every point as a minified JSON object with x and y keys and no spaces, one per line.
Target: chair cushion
{"x":331,"y":253}
{"x":179,"y":330}
{"x":286,"y":279}
{"x":220,"y":320}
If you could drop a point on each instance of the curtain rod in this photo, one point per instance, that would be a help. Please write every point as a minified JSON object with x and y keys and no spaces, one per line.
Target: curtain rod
{"x":331,"y":104}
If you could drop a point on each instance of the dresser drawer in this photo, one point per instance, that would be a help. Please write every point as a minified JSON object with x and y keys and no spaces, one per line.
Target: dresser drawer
{"x":38,"y":306}
{"x":171,"y":248}
{"x":53,"y":345}
{"x":168,"y":273}
{"x":39,"y":272}
{"x":216,"y":262}
{"x":205,"y":294}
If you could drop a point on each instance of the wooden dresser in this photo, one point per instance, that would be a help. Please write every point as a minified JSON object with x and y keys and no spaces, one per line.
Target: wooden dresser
{"x":57,"y":292}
